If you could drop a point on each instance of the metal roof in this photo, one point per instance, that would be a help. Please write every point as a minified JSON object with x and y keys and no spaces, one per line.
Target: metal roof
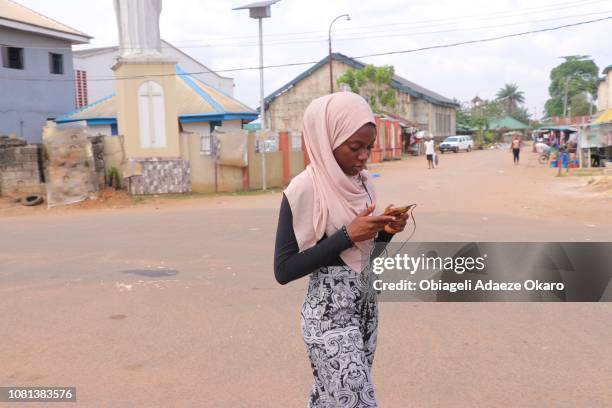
{"x":196,"y":102}
{"x":92,"y":52}
{"x":397,"y":82}
{"x":11,"y":11}
{"x":507,"y":122}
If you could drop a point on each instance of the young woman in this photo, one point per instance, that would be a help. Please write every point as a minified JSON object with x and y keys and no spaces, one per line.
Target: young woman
{"x":515,"y":146}
{"x":326,"y":228}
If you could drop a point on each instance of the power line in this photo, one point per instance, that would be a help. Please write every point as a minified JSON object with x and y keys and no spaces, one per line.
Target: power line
{"x":431,"y":47}
{"x":505,"y":14}
{"x":343,"y":39}
{"x":543,"y":30}
{"x":419,"y":23}
{"x":409,"y":34}
{"x":414,"y":24}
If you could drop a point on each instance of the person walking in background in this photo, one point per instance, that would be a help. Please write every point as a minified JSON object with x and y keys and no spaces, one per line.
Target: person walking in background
{"x":515,"y":147}
{"x":430,"y":152}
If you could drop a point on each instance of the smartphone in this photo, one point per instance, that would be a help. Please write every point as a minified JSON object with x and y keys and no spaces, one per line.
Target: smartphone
{"x":395,"y":211}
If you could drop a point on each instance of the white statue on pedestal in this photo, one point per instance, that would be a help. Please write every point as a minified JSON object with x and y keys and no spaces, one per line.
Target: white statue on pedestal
{"x":138,"y":23}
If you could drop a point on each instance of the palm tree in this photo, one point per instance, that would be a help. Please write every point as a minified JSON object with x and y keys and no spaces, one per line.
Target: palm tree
{"x":510,"y":97}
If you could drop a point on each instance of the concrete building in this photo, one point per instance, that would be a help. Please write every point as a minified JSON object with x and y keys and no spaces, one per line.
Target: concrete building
{"x":95,"y":77}
{"x":36,"y":73}
{"x":199,"y":107}
{"x":604,"y":90}
{"x":415,"y":104}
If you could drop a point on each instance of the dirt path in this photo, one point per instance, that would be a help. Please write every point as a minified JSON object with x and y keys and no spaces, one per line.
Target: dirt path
{"x":214,"y":329}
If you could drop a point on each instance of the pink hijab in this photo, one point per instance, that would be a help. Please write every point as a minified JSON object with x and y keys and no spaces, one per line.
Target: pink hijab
{"x":322,"y":197}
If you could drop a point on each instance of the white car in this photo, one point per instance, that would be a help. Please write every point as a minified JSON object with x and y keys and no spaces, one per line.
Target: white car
{"x":457,"y":143}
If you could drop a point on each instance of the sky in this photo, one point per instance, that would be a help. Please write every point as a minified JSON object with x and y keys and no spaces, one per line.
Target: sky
{"x":224,"y":39}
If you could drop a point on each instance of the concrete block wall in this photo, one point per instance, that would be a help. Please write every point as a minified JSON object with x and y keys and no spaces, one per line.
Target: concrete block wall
{"x":20,"y":172}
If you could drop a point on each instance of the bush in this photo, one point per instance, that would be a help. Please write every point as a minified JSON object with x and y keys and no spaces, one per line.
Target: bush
{"x":113,"y":179}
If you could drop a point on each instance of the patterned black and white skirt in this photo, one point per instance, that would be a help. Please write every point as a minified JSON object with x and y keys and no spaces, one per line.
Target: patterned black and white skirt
{"x":339,"y":325}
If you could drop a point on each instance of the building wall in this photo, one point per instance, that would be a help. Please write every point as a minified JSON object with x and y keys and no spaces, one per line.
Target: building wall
{"x":442,"y":122}
{"x":25,"y":105}
{"x":274,"y":167}
{"x":202,"y":165}
{"x":604,"y":93}
{"x":285,"y":113}
{"x":20,"y":172}
{"x":100,"y":66}
{"x":127,"y":107}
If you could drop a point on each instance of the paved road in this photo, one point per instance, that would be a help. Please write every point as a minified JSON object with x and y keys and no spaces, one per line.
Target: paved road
{"x":221,"y":333}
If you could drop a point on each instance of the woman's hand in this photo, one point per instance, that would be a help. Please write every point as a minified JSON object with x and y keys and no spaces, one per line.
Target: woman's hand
{"x":365,"y":227}
{"x":400,"y":222}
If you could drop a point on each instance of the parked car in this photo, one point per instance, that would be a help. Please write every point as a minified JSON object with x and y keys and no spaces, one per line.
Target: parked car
{"x":457,"y":143}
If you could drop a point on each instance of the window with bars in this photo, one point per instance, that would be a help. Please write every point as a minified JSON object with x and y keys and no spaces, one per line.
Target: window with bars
{"x":12,"y":57}
{"x":56,"y":63}
{"x":80,"y":91}
{"x":207,"y":146}
{"x":296,"y":141}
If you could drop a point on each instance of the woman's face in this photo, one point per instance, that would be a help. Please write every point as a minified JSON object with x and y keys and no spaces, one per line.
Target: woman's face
{"x":353,"y":154}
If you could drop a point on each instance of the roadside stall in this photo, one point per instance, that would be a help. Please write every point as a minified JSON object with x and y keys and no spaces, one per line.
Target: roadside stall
{"x":595,"y":141}
{"x":562,"y":141}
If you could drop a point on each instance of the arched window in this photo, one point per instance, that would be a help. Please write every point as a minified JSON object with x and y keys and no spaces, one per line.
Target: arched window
{"x":151,"y":115}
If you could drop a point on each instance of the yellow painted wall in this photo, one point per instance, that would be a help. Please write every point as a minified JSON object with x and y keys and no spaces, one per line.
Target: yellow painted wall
{"x":604,"y":93}
{"x":274,"y":167}
{"x":139,"y":72}
{"x":203,"y":168}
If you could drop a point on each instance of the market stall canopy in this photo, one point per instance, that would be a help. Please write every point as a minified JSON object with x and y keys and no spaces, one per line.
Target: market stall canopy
{"x":559,"y":127}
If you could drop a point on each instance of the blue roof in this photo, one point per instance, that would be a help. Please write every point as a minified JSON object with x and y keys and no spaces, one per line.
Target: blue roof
{"x":197,"y":101}
{"x":397,"y":82}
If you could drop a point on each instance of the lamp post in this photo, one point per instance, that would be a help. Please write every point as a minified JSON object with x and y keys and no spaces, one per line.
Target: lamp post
{"x":331,"y":73}
{"x":261,"y":10}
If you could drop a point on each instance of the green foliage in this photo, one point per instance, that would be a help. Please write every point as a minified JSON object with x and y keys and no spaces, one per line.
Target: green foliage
{"x":112,"y":178}
{"x":510,"y":98}
{"x":489,"y":136}
{"x":579,"y":105}
{"x":576,"y":75}
{"x":521,"y":114}
{"x":463,"y":117}
{"x":373,"y":84}
{"x":481,"y":115}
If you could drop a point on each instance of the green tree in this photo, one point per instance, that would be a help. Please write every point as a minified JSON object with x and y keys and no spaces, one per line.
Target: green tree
{"x":480,"y":116}
{"x":521,"y":114}
{"x":463,"y":116}
{"x":373,"y":84}
{"x":510,"y":98}
{"x":576,"y":75}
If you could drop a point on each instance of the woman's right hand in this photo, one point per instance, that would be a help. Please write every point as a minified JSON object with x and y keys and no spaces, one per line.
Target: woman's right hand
{"x":365,"y":227}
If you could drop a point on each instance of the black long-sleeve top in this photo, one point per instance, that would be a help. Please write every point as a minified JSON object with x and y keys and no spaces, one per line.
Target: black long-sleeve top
{"x":291,"y":264}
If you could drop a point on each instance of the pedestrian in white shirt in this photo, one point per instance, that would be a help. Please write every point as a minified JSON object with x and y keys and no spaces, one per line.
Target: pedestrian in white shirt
{"x":430,"y":151}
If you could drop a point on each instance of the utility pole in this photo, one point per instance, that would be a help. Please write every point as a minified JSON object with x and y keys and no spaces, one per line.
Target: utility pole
{"x":565,"y":97}
{"x":260,"y":11}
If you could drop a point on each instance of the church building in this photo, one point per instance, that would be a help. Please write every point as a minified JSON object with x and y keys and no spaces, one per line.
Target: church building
{"x":158,"y":112}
